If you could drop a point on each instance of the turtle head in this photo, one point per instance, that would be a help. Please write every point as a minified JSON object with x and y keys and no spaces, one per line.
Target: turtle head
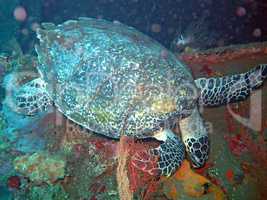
{"x":198,"y":151}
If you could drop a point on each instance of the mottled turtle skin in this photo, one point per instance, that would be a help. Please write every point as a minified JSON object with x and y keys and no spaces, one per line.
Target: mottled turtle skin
{"x":112,"y":79}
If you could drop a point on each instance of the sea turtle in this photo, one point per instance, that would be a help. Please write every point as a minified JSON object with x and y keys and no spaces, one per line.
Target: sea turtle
{"x":113,"y":80}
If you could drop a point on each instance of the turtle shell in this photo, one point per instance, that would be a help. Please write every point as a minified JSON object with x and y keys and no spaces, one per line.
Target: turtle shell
{"x":112,"y":79}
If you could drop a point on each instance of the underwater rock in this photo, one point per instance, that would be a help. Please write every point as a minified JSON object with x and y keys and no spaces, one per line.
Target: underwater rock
{"x":41,"y":167}
{"x":91,"y":175}
{"x":30,"y":143}
{"x":90,"y":159}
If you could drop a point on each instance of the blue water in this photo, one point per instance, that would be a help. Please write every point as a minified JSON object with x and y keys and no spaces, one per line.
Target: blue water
{"x":4,"y":193}
{"x":221,"y":17}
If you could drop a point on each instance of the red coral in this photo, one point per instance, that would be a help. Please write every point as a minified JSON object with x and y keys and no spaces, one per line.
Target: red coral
{"x":236,"y":144}
{"x":204,"y":169}
{"x":207,"y":70}
{"x":229,"y":175}
{"x":106,"y":147}
{"x":141,"y":181}
{"x":255,"y":146}
{"x":13,"y":182}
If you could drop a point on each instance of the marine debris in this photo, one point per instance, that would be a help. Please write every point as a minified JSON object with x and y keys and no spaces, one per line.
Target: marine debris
{"x":226,"y":54}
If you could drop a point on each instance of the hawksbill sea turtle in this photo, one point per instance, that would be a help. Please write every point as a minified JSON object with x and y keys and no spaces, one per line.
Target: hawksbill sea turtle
{"x":113,"y":80}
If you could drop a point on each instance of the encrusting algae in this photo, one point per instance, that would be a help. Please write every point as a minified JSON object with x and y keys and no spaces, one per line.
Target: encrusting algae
{"x":40,"y":167}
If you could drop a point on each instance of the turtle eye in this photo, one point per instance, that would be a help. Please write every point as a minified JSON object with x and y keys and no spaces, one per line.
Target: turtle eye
{"x":196,"y":161}
{"x":206,"y":187}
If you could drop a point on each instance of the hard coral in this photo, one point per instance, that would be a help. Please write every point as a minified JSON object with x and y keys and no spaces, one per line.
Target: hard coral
{"x":41,"y":167}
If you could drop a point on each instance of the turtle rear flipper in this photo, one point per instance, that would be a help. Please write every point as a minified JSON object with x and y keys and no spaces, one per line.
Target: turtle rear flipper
{"x":32,"y":98}
{"x":168,"y":155}
{"x":229,"y":89}
{"x":195,"y":138}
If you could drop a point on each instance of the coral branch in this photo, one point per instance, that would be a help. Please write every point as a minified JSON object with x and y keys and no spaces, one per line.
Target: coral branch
{"x":122,"y":172}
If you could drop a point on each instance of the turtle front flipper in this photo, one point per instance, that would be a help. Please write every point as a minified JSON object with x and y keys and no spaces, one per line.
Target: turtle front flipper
{"x":233,"y":88}
{"x":168,"y":155}
{"x":32,"y":98}
{"x":195,"y":138}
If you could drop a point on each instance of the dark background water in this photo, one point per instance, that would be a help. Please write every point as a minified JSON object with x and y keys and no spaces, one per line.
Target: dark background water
{"x":169,"y":14}
{"x":160,"y":19}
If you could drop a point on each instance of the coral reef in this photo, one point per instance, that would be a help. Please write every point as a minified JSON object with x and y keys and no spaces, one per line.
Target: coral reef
{"x":122,"y":171}
{"x":6,"y":167}
{"x":45,"y":192}
{"x":49,"y":193}
{"x":3,"y":123}
{"x":14,"y":182}
{"x":41,"y":167}
{"x":243,"y":141}
{"x":95,"y":178}
{"x":50,"y":157}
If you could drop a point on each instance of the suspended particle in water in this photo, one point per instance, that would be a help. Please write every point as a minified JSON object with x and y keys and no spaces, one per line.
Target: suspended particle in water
{"x":25,"y":31}
{"x":20,"y":13}
{"x":35,"y":26}
{"x":257,"y":32}
{"x":220,"y":42}
{"x":156,"y":28}
{"x":171,"y":30}
{"x":116,"y":22}
{"x":241,"y":11}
